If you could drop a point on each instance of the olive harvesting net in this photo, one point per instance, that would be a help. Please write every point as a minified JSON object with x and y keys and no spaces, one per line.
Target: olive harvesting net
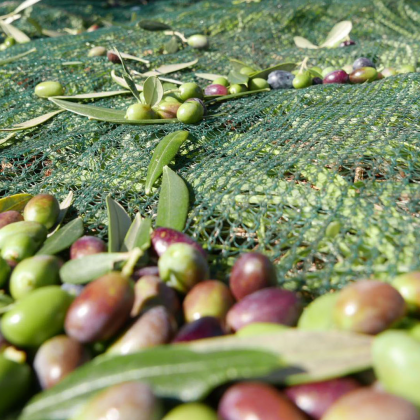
{"x":324,"y":180}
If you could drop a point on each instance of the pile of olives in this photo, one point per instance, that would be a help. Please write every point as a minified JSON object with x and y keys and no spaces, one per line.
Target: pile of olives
{"x":50,"y":329}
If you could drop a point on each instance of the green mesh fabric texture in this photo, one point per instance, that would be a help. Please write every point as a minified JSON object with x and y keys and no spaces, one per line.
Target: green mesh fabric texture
{"x":324,"y":180}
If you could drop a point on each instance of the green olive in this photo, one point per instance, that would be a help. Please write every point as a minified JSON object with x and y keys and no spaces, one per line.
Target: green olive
{"x":19,"y":247}
{"x":9,"y":41}
{"x":260,"y":328}
{"x":388,"y":72}
{"x":190,"y":90}
{"x":237,"y":88}
{"x":302,"y":80}
{"x":137,"y":112}
{"x":198,"y":41}
{"x":348,"y":68}
{"x":97,"y":52}
{"x":4,"y":272}
{"x":35,"y":230}
{"x":319,"y":314}
{"x":47,"y":89}
{"x":43,"y":208}
{"x":258,"y":83}
{"x":221,"y":81}
{"x":190,"y":113}
{"x":247,"y":71}
{"x":317,"y":69}
{"x":407,"y":68}
{"x":191,"y":411}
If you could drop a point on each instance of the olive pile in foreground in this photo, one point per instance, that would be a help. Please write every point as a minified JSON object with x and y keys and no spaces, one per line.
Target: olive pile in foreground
{"x":49,"y":329}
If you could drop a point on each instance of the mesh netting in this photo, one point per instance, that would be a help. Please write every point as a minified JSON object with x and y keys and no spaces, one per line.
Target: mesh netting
{"x":325,"y":180}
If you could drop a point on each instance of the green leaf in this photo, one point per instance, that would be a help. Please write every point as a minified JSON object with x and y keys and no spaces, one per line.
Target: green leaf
{"x":169,"y":68}
{"x":163,"y":155}
{"x":153,"y":25}
{"x":64,"y":206}
{"x":15,"y":202}
{"x":33,"y":122}
{"x":119,"y":223}
{"x":302,"y":42}
{"x":105,"y":114}
{"x":35,"y":24}
{"x":208,"y":76}
{"x":264,"y":73}
{"x":314,"y":73}
{"x":131,"y":57}
{"x":235,"y":77}
{"x":121,"y":82}
{"x":63,"y":238}
{"x":129,"y":79}
{"x":172,"y":46}
{"x":153,"y":91}
{"x":211,"y":99}
{"x":16,"y":33}
{"x":138,"y":236}
{"x":89,"y":268}
{"x":16,"y":57}
{"x":52,"y":34}
{"x":173,"y":201}
{"x":337,"y":34}
{"x":94,"y":95}
{"x":238,"y":64}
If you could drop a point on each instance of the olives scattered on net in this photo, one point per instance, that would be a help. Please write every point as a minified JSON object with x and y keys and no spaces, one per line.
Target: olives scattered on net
{"x":113,"y":58}
{"x":258,"y":83}
{"x":201,"y":102}
{"x":48,"y":89}
{"x":221,"y":81}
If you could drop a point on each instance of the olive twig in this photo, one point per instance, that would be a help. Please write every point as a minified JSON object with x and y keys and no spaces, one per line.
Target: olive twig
{"x":178,"y":34}
{"x":128,"y":268}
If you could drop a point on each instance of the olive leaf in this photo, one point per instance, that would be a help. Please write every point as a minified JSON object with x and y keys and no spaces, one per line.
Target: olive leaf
{"x":212,"y":99}
{"x":264,"y":73}
{"x":20,"y":8}
{"x":64,"y":206}
{"x":120,"y":81}
{"x":63,"y":238}
{"x":130,"y":57}
{"x":129,"y":79}
{"x":169,"y":68}
{"x":209,"y":76}
{"x":35,"y":24}
{"x":119,"y":223}
{"x":164,"y":153}
{"x":235,"y":77}
{"x":94,"y":95}
{"x":340,"y":31}
{"x":301,"y":42}
{"x":173,"y":201}
{"x":15,"y":202}
{"x":172,"y":46}
{"x":153,"y":91}
{"x":138,"y":236}
{"x":33,"y":122}
{"x":86,"y":269}
{"x":8,"y":137}
{"x":16,"y":57}
{"x":16,"y":33}
{"x":153,"y":25}
{"x":238,"y":64}
{"x":314,"y":73}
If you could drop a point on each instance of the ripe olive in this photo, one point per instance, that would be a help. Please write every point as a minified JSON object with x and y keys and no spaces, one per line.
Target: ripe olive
{"x":204,"y":327}
{"x":87,"y":245}
{"x":409,"y":287}
{"x":8,"y":217}
{"x":363,"y":74}
{"x":216,"y":90}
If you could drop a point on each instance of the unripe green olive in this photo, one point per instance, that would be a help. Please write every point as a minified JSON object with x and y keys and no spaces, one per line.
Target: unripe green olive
{"x":48,"y":89}
{"x":9,"y":41}
{"x":409,"y":287}
{"x":137,"y":112}
{"x":407,"y":68}
{"x":258,"y":83}
{"x":236,"y":88}
{"x":302,"y":80}
{"x":198,"y":41}
{"x":260,"y":328}
{"x":19,"y":247}
{"x":43,"y":208}
{"x":319,"y":314}
{"x":190,"y":113}
{"x":97,"y":52}
{"x":191,"y":411}
{"x":221,"y":81}
{"x":246,"y":70}
{"x":190,"y":90}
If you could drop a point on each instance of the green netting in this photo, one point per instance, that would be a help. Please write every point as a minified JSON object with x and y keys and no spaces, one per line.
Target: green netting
{"x":325,"y":180}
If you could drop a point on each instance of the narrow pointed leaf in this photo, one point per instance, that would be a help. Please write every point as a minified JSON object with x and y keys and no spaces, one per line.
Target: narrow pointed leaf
{"x":130,"y":57}
{"x":337,"y":34}
{"x":235,"y":77}
{"x":314,"y":73}
{"x":163,"y":155}
{"x":120,"y":81}
{"x":33,"y":122}
{"x":264,"y":73}
{"x":94,"y":95}
{"x":8,"y":137}
{"x":16,"y":33}
{"x":173,"y":201}
{"x":304,"y":43}
{"x":15,"y":202}
{"x":153,"y":25}
{"x":238,"y":64}
{"x":119,"y":223}
{"x":153,"y":91}
{"x":25,"y":5}
{"x":64,"y":206}
{"x":138,"y":235}
{"x":63,"y":238}
{"x":169,"y":68}
{"x":208,"y":76}
{"x":129,"y":79}
{"x":35,"y":24}
{"x":16,"y":57}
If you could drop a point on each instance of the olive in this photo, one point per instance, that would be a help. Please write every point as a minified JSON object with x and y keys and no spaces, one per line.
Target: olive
{"x":191,"y":411}
{"x":363,"y":62}
{"x":87,"y":245}
{"x":152,"y":270}
{"x":316,"y":398}
{"x":319,"y":314}
{"x":237,"y":89}
{"x":8,"y":217}
{"x":190,"y":113}
{"x":221,"y":81}
{"x":260,"y":328}
{"x":363,"y":74}
{"x":56,"y":358}
{"x":18,"y":248}
{"x":43,"y":208}
{"x":93,"y":28}
{"x":182,"y":266}
{"x":97,"y":52}
{"x":409,"y":287}
{"x":302,"y":80}
{"x":167,"y":110}
{"x":216,"y":90}
{"x":204,"y":327}
{"x":317,"y":81}
{"x":328,"y":70}
{"x":368,"y":306}
{"x":388,"y":72}
{"x":348,"y":68}
{"x":15,"y":380}
{"x":101,"y":309}
{"x":113,"y":58}
{"x":9,"y":41}
{"x":280,"y":79}
{"x":162,"y":238}
{"x":32,"y":273}
{"x":208,"y":298}
{"x":347,"y":43}
{"x":338,"y":76}
{"x":414,"y":330}
{"x":201,"y":102}
{"x":36,"y":317}
{"x":246,"y":70}
{"x":258,"y":83}
{"x":251,"y":272}
{"x":35,"y":230}
{"x":267,"y":305}
{"x":407,"y":68}
{"x":369,"y":404}
{"x":396,"y":362}
{"x":48,"y":89}
{"x":137,"y":112}
{"x":380,"y":76}
{"x":5,"y":271}
{"x":155,"y":327}
{"x":125,"y":401}
{"x":256,"y":401}
{"x":190,"y":90}
{"x":198,"y":41}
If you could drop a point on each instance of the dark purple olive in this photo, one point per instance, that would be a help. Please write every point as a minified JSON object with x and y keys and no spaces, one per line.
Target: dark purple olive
{"x":251,"y":272}
{"x":151,"y":291}
{"x":163,"y":238}
{"x":316,"y":398}
{"x":338,"y":76}
{"x":273,"y":305}
{"x":369,"y":404}
{"x":213,"y":90}
{"x":87,"y":245}
{"x":10,"y":216}
{"x":368,"y":307}
{"x":317,"y":81}
{"x":208,"y":298}
{"x":56,"y":358}
{"x":205,"y":327}
{"x":200,"y":101}
{"x":347,"y":43}
{"x":152,"y":270}
{"x":363,"y":74}
{"x":257,"y":401}
{"x":363,"y":62}
{"x":113,"y":57}
{"x":101,"y":309}
{"x":155,"y":327}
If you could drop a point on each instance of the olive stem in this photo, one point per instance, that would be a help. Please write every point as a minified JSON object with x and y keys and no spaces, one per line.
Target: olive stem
{"x":178,"y":34}
{"x":303,"y":65}
{"x":128,"y":268}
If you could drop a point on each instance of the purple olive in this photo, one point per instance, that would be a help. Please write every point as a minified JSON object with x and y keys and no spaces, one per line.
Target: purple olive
{"x":168,"y":110}
{"x":113,"y":58}
{"x":317,"y":81}
{"x":163,"y":238}
{"x":251,"y":272}
{"x":316,"y":398}
{"x":200,"y":101}
{"x":152,"y":270}
{"x":10,"y":216}
{"x":368,"y":306}
{"x":273,"y":305}
{"x":208,"y":298}
{"x":205,"y":327}
{"x":338,"y":76}
{"x":87,"y":245}
{"x":216,"y":90}
{"x":347,"y":43}
{"x":363,"y":62}
{"x":101,"y":309}
{"x":56,"y":358}
{"x":368,"y":404}
{"x":256,"y":401}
